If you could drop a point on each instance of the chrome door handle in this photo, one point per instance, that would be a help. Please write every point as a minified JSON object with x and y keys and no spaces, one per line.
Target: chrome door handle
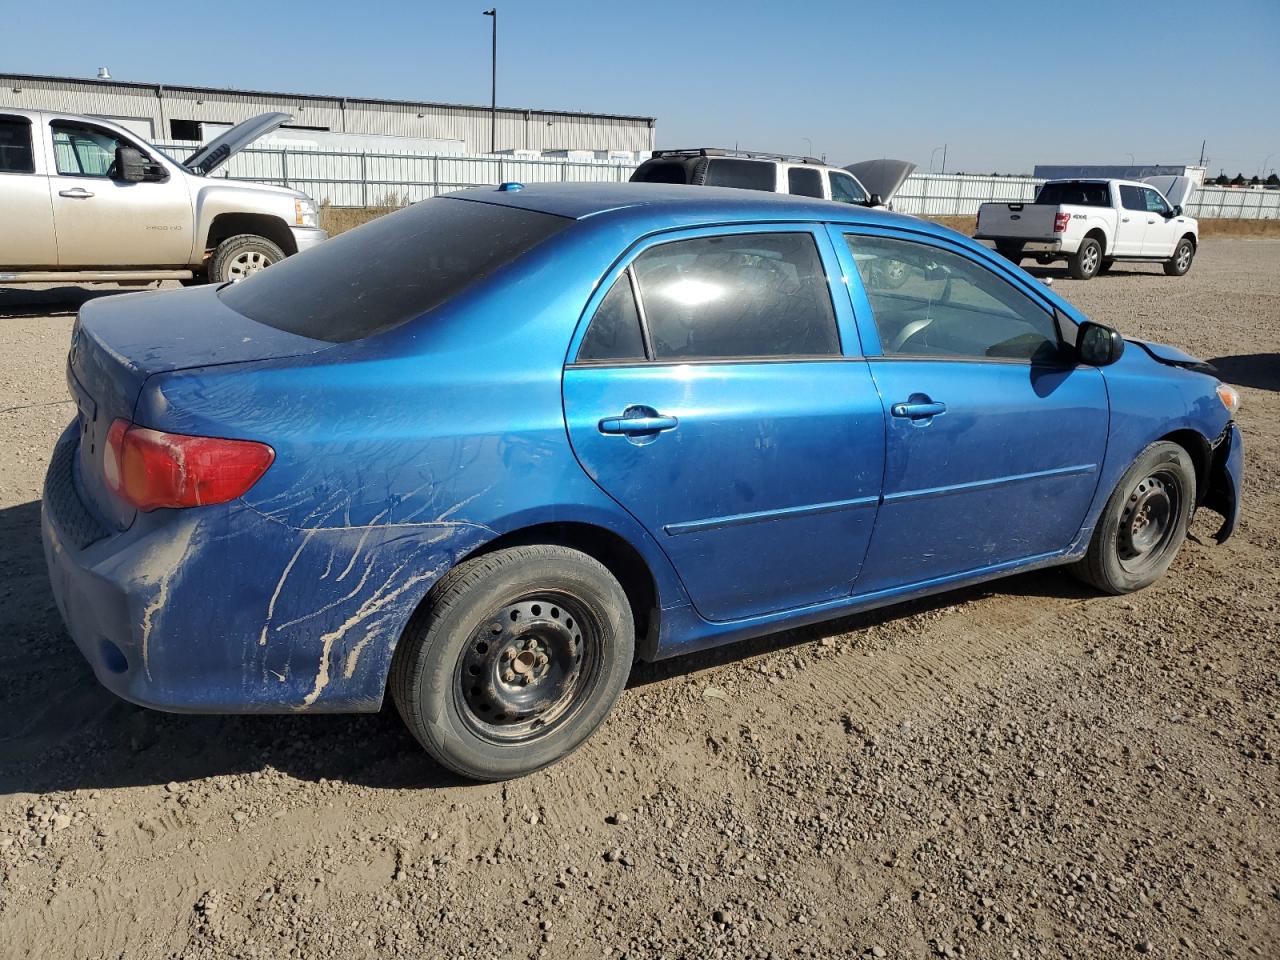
{"x":77,"y":193}
{"x":918,"y":410}
{"x":1150,"y":221}
{"x":629,"y":425}
{"x":1124,"y":219}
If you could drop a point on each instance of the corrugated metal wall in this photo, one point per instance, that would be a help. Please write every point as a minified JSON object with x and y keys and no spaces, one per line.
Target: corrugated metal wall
{"x":158,"y":105}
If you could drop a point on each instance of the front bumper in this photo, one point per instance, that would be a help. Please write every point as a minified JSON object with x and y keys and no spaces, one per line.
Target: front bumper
{"x":1226,"y":474}
{"x":219,"y":610}
{"x":308,"y":237}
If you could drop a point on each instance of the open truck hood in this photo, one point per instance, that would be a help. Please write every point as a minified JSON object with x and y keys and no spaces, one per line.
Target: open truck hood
{"x":884,"y":177}
{"x":221,"y":149}
{"x":1177,"y":190}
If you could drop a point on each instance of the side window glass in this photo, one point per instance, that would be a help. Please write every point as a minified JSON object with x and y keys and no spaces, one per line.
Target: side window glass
{"x":845,"y":189}
{"x":748,"y":174}
{"x":804,"y":182}
{"x":81,"y":151}
{"x":745,"y":295}
{"x":614,"y":333}
{"x":1155,"y":202}
{"x":15,"y":146}
{"x":929,"y":302}
{"x":1131,"y":198}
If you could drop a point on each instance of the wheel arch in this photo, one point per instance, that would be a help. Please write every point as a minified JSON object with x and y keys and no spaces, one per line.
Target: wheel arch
{"x":1200,"y":450}
{"x":1099,"y":234}
{"x":1195,"y":240}
{"x":228,"y":225}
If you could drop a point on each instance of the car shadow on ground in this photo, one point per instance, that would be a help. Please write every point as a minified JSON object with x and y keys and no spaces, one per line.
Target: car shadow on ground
{"x":1260,"y":370}
{"x":1058,"y":271}
{"x":44,"y":301}
{"x":59,"y":730}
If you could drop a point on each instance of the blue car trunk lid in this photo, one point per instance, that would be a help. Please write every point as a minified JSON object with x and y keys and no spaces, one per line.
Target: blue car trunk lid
{"x":118,"y":342}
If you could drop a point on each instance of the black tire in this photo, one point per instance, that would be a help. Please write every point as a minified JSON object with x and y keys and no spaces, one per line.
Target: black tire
{"x":1011,"y":252}
{"x":1144,"y":523}
{"x":460,"y":684}
{"x":1180,"y":263}
{"x":1107,"y":264}
{"x":1044,"y":259}
{"x":242,"y":255}
{"x":1084,"y":263}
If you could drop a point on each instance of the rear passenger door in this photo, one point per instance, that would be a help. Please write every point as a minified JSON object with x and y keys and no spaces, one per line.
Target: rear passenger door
{"x":1132,"y":226}
{"x":718,"y":394}
{"x":26,"y":216}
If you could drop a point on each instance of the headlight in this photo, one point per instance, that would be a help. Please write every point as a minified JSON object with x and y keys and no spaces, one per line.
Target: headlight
{"x":1230,"y":398}
{"x":305,"y":212}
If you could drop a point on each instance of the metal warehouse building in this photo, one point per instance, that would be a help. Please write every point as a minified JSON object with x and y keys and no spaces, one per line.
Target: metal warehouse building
{"x":161,"y":113}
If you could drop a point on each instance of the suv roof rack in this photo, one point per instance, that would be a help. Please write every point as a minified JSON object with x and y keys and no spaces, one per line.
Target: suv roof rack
{"x":742,"y":154}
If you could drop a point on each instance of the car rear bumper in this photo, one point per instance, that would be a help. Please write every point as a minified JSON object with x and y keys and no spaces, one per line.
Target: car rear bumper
{"x":1028,"y":246}
{"x":308,"y":237}
{"x":220,"y":610}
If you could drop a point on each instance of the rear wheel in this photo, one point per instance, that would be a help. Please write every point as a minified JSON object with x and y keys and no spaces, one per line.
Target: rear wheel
{"x":516,"y":658}
{"x":242,"y":256}
{"x":1144,"y":522}
{"x":1180,"y":262}
{"x":1084,"y":263}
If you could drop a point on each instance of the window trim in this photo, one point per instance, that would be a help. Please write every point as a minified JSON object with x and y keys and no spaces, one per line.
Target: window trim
{"x":115,"y":134}
{"x":831,"y":186}
{"x":31,"y":144}
{"x":865,"y":314}
{"x":847,"y":334}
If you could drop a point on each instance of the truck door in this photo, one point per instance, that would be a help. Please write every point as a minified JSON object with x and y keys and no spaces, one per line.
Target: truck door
{"x":101,"y":221}
{"x":26,"y":229}
{"x":1163,"y":230}
{"x":1131,"y":222}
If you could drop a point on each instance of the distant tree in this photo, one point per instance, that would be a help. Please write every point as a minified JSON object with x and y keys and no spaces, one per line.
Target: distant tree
{"x":1254,"y":181}
{"x":1273,"y":180}
{"x":1238,"y":180}
{"x":994,"y":174}
{"x":1221,"y":180}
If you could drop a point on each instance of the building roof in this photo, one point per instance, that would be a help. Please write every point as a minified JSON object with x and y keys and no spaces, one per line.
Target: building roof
{"x":229,"y":91}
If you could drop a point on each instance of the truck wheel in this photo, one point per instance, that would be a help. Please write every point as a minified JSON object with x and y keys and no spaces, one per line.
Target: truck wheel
{"x":1044,"y":259}
{"x":1144,"y":522}
{"x":242,"y":256}
{"x":514,"y":660}
{"x":1180,"y":263}
{"x":1010,"y":251}
{"x":1084,"y":263}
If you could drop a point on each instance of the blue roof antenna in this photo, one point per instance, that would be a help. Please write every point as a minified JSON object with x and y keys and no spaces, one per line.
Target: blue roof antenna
{"x":510,"y":186}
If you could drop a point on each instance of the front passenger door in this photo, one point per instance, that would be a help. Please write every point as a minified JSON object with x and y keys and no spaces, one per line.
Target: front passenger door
{"x":995,"y":435}
{"x":1163,"y":231}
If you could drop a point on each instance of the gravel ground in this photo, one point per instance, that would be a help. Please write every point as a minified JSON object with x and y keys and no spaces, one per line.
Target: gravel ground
{"x":1022,"y":770}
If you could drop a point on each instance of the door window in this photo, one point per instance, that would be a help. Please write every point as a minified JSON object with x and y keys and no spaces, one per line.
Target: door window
{"x":614,"y":333}
{"x":929,"y":302}
{"x":804,"y":182}
{"x":84,"y":151}
{"x":15,"y":146}
{"x":1131,"y":198}
{"x":744,"y":295}
{"x":1154,"y":202}
{"x":845,"y":189}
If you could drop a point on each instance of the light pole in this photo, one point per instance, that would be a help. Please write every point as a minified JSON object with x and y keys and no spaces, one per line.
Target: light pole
{"x":1262,"y":171}
{"x":493,"y":84}
{"x":1132,"y":162}
{"x":810,"y":143}
{"x":934,"y":154}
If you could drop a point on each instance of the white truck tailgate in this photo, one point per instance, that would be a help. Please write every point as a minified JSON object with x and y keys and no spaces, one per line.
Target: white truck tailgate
{"x":1034,"y":221}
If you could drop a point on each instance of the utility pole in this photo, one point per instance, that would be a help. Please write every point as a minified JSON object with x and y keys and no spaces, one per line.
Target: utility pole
{"x":1202,"y":145}
{"x":944,"y":159}
{"x":493,"y":84}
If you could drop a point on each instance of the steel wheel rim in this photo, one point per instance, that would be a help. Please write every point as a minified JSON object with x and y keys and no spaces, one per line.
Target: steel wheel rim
{"x":1148,"y":521}
{"x":248,"y":263}
{"x":528,"y":668}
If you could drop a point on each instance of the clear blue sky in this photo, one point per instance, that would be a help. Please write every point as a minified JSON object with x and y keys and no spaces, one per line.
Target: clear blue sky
{"x":1003,"y":84}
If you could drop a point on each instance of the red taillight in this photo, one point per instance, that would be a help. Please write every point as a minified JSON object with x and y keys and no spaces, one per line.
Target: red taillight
{"x":151,"y":469}
{"x":1060,"y":221}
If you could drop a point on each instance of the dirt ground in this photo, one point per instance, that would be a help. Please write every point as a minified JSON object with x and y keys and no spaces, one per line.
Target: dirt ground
{"x":1023,"y":770}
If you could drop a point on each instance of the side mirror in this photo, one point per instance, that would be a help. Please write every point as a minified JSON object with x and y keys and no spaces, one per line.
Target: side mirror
{"x":1176,"y":212}
{"x":875,"y":200}
{"x":1098,"y":345}
{"x":133,"y":166}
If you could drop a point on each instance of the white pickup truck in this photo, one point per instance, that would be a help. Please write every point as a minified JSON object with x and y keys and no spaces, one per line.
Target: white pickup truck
{"x":83,"y":200}
{"x":1093,"y":223}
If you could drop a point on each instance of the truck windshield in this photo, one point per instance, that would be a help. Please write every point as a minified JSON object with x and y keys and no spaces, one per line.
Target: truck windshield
{"x":1079,"y":192}
{"x":390,"y":271}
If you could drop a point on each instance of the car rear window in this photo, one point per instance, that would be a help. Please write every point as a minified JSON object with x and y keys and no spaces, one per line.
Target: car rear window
{"x":748,"y":174}
{"x":390,"y":271}
{"x":1075,"y":192}
{"x":664,"y":171}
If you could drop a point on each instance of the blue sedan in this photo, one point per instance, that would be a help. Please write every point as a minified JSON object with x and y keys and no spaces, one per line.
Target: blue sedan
{"x":486,"y":451}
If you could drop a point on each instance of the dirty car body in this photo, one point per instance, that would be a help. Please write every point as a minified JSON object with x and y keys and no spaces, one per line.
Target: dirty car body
{"x":431,"y":390}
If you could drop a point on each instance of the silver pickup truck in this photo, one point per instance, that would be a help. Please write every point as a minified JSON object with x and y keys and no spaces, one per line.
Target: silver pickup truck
{"x":84,"y":200}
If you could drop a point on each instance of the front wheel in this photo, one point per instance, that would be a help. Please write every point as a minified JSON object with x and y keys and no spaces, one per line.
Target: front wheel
{"x":1085,"y":262}
{"x":1180,"y":263}
{"x":516,"y":658}
{"x":242,"y":256}
{"x":1144,"y":522}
